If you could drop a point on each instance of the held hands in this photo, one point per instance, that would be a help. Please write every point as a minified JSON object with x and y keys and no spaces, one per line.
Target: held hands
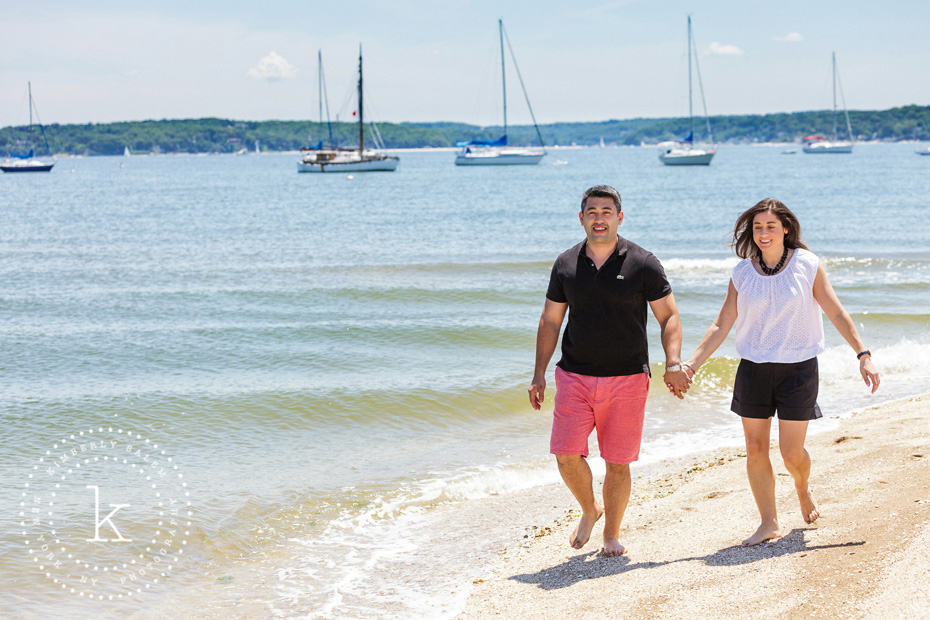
{"x":537,"y":392}
{"x":869,"y":372}
{"x":677,"y":381}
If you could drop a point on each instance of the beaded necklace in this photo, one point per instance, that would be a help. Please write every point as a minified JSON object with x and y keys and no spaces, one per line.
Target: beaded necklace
{"x":777,"y":267}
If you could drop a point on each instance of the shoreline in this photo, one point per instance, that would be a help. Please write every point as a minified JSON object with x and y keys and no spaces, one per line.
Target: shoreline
{"x":683,"y":527}
{"x":452,"y":149}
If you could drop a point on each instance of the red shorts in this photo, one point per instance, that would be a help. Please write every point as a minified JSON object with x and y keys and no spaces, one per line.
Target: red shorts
{"x":615,"y":406}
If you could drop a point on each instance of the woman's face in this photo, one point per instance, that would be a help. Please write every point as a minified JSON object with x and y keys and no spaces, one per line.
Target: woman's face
{"x":768,"y":232}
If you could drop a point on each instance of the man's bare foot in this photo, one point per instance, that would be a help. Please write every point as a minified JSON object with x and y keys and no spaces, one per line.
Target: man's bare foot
{"x":612,"y":548}
{"x":582,"y":533}
{"x":808,"y":508}
{"x":765,"y":532}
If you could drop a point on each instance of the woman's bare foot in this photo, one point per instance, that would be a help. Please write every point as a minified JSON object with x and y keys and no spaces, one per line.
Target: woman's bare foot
{"x":766,"y":531}
{"x":808,"y":508}
{"x":582,"y":533}
{"x":612,"y":548}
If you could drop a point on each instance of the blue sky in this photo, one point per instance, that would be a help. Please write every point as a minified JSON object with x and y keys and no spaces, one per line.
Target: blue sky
{"x":430,"y":61}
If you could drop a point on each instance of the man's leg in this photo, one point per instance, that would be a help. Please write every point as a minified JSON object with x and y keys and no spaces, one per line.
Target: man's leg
{"x":761,"y":478}
{"x":619,"y":422}
{"x":577,"y":476}
{"x":791,"y":435}
{"x":616,"y":497}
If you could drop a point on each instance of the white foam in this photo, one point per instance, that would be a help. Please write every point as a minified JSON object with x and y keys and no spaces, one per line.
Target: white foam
{"x":401,"y":556}
{"x":701,"y":265}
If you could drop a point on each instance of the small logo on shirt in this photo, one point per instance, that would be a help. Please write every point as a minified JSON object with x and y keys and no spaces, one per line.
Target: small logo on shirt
{"x":619,"y":276}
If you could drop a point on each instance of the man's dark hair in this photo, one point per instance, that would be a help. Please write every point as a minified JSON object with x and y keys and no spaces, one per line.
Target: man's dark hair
{"x":602,"y":191}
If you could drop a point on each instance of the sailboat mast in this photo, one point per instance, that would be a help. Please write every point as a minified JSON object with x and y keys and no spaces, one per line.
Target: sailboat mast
{"x":834,"y":95}
{"x":690,"y":107}
{"x":361,"y":126}
{"x":319,"y":79}
{"x":500,"y":31}
{"x":529,"y":106}
{"x":29,"y":88}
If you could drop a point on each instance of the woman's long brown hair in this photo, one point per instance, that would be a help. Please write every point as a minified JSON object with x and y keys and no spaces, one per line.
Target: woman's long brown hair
{"x":742,"y":232}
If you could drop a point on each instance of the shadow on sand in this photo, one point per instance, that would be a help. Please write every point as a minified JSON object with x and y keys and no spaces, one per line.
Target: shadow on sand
{"x":591,"y":565}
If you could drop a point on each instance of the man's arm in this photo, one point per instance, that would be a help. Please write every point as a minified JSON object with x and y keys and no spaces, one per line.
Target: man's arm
{"x":547,"y":337}
{"x":666,"y":313}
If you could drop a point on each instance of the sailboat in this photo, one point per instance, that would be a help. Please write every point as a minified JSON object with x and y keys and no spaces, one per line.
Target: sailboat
{"x":28,"y":162}
{"x":322,"y":96}
{"x":349,"y":160}
{"x":685,"y":153}
{"x":496,"y":152}
{"x":819,"y":144}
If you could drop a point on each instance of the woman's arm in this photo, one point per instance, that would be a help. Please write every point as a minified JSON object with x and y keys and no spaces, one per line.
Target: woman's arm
{"x":831,"y":306}
{"x":716,"y":334}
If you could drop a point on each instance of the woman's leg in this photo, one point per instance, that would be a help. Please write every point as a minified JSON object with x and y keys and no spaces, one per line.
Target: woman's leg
{"x":761,"y":478}
{"x":791,"y":435}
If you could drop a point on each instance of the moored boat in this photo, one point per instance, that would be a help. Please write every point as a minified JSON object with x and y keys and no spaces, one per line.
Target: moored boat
{"x":26,"y":165}
{"x":496,"y":152}
{"x":349,"y":160}
{"x":820,"y":145}
{"x":496,"y":156}
{"x":331,"y":160}
{"x":29,"y":162}
{"x":684,"y":153}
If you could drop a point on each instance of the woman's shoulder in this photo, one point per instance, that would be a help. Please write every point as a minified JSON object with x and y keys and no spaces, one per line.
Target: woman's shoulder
{"x":743,"y":265}
{"x":808,"y":258}
{"x":743,"y":268}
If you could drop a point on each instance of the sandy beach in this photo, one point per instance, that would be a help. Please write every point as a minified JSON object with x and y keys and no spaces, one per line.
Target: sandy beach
{"x":865,"y":557}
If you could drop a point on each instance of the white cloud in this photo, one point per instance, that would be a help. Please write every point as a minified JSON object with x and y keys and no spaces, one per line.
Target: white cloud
{"x":791,"y":37}
{"x":272,"y":67}
{"x":724,"y":49}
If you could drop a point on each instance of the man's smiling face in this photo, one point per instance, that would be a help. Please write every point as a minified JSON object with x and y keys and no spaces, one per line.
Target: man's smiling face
{"x":600,"y":220}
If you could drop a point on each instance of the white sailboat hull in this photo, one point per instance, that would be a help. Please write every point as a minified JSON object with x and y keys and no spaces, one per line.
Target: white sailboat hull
{"x":349,"y":162}
{"x":499,"y":157}
{"x":686,"y":157}
{"x":826,"y":146}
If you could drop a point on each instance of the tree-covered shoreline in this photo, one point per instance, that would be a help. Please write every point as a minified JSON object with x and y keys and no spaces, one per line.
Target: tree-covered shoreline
{"x":216,"y":135}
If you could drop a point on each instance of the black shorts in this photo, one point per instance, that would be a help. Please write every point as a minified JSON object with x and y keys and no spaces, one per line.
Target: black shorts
{"x":760,"y":390}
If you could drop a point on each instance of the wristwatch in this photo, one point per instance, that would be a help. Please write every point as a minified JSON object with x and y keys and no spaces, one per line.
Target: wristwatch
{"x":673,"y":368}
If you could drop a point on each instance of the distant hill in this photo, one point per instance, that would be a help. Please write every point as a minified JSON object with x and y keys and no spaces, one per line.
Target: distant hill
{"x":216,"y":135}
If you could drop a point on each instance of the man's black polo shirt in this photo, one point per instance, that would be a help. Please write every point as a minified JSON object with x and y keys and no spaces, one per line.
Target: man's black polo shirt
{"x":606,"y":331}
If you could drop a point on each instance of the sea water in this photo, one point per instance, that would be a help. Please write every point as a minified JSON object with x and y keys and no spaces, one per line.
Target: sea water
{"x":229,"y":389}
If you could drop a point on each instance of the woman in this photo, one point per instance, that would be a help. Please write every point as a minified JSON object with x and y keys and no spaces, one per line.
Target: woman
{"x":775,"y":298}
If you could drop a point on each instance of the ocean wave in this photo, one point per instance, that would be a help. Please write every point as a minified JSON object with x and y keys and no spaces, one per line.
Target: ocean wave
{"x":700,"y":265}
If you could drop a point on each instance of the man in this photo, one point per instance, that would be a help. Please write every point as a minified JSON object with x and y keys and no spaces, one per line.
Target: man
{"x":602,"y":380}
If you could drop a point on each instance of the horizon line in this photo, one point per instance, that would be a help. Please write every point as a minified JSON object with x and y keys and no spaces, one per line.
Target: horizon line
{"x":608,"y":120}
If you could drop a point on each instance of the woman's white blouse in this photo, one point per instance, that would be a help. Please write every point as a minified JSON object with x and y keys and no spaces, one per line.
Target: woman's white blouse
{"x":779,"y":319}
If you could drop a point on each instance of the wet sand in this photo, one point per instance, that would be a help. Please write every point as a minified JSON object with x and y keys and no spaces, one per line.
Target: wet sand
{"x":867,"y":555}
